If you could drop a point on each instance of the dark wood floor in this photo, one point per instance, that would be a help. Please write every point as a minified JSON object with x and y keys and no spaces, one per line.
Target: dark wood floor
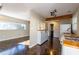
{"x":8,"y":46}
{"x":45,"y":49}
{"x":11,"y":47}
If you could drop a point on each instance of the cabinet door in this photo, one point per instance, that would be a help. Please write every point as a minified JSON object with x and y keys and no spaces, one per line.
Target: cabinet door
{"x":69,"y":51}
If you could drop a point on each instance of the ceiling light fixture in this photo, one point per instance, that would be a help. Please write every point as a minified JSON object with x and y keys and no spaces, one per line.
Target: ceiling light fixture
{"x":53,"y":13}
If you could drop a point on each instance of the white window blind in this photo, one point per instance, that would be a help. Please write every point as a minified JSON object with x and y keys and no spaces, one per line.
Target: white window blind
{"x":12,"y":26}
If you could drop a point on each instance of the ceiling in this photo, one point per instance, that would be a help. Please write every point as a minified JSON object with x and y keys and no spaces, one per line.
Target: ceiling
{"x":20,"y":9}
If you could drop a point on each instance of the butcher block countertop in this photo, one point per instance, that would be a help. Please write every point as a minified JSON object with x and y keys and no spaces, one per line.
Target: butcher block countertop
{"x":71,"y":40}
{"x":71,"y":43}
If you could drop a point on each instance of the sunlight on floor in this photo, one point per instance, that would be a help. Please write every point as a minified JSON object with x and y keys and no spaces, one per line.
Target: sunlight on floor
{"x":12,"y":51}
{"x":51,"y":53}
{"x":25,"y":42}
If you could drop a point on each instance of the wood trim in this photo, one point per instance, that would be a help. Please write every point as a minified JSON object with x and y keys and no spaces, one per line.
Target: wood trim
{"x":59,"y":17}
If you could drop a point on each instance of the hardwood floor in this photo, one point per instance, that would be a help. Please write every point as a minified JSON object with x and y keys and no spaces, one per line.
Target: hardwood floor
{"x":7,"y":47}
{"x":11,"y":47}
{"x":45,"y":48}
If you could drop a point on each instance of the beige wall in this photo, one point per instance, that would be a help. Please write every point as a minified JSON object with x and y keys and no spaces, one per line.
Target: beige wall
{"x":57,"y":24}
{"x":11,"y":34}
{"x":56,"y":28}
{"x":10,"y":19}
{"x":66,"y":21}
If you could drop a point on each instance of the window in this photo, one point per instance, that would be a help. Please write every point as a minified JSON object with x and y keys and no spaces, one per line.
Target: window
{"x":12,"y":26}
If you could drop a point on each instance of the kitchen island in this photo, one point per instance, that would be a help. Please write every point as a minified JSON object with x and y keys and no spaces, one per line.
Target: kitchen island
{"x":70,"y":44}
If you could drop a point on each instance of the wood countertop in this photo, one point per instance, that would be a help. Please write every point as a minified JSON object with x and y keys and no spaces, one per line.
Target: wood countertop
{"x":71,"y":43}
{"x":71,"y":40}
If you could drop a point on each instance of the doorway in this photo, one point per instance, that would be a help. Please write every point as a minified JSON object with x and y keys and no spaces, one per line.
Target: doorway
{"x":51,"y":35}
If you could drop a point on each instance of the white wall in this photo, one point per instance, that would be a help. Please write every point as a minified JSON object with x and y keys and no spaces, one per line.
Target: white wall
{"x":35,"y":22}
{"x":12,"y":34}
{"x":15,"y":14}
{"x":66,"y":21}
